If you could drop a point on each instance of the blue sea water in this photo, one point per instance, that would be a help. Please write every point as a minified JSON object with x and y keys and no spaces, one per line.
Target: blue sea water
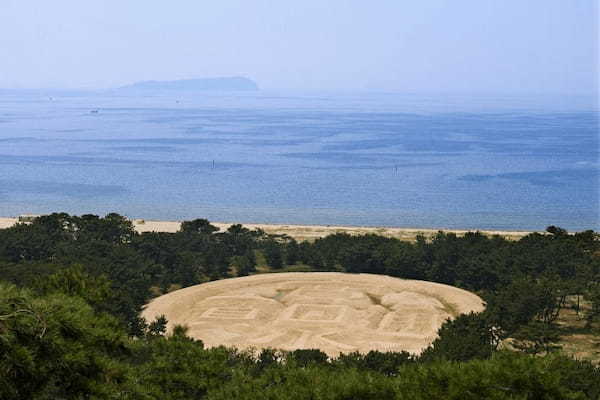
{"x":373,"y":159}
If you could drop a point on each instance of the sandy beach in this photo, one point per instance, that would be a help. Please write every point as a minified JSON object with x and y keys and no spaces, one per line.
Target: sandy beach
{"x":304,"y":232}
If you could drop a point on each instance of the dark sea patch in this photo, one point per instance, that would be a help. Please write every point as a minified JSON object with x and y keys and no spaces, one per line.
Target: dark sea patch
{"x":307,"y":132}
{"x":444,"y":146}
{"x":173,"y":118}
{"x":537,"y":150}
{"x":272,"y":142}
{"x":390,"y":167}
{"x":196,"y":141}
{"x":408,"y":145}
{"x":195,"y":130}
{"x":335,"y":157}
{"x":132,"y":110}
{"x":165,"y":141}
{"x":348,"y":157}
{"x":23,"y":139}
{"x":74,"y":190}
{"x":219,"y":129}
{"x":146,"y":149}
{"x":321,"y":131}
{"x":361,"y":144}
{"x":73,"y":130}
{"x":588,"y":177}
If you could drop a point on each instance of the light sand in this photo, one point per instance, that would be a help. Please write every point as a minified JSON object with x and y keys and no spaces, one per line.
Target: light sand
{"x":7,"y":222}
{"x":334,"y":312}
{"x":306,"y":232}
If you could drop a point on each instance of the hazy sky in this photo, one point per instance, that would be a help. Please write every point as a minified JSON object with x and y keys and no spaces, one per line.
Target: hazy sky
{"x":397,"y":45}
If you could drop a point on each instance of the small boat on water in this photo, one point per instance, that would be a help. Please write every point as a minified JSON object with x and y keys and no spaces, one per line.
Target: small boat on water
{"x":94,"y":111}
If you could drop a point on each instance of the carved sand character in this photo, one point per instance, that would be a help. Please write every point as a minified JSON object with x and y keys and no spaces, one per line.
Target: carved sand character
{"x":333,"y":312}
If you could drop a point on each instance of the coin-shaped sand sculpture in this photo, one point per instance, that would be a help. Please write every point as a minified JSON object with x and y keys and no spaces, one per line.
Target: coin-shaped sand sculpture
{"x":334,"y":312}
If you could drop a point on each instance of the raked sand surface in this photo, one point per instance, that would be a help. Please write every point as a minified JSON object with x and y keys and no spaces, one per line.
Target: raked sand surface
{"x":331,"y":311}
{"x":306,"y":232}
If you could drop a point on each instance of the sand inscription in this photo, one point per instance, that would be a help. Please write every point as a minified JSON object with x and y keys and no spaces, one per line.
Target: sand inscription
{"x":333,"y":312}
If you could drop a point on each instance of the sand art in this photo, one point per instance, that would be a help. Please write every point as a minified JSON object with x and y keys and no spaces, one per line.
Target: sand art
{"x":334,"y":312}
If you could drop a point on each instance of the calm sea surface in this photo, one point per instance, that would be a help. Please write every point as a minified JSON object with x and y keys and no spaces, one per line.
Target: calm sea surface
{"x":352,"y":159}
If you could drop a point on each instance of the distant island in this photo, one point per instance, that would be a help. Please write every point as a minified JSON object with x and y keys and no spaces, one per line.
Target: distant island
{"x":206,"y":84}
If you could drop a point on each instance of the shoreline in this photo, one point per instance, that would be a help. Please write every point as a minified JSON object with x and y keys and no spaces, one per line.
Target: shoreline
{"x":308,"y":232}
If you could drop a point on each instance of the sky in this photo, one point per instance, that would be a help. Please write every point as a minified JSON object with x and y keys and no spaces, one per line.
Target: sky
{"x":532,"y":46}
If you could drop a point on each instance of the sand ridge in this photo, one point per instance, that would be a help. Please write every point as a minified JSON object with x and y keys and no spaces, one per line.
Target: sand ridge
{"x":331,"y":311}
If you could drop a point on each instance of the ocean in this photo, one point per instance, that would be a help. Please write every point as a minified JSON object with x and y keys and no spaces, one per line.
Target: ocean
{"x":366,"y":159}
